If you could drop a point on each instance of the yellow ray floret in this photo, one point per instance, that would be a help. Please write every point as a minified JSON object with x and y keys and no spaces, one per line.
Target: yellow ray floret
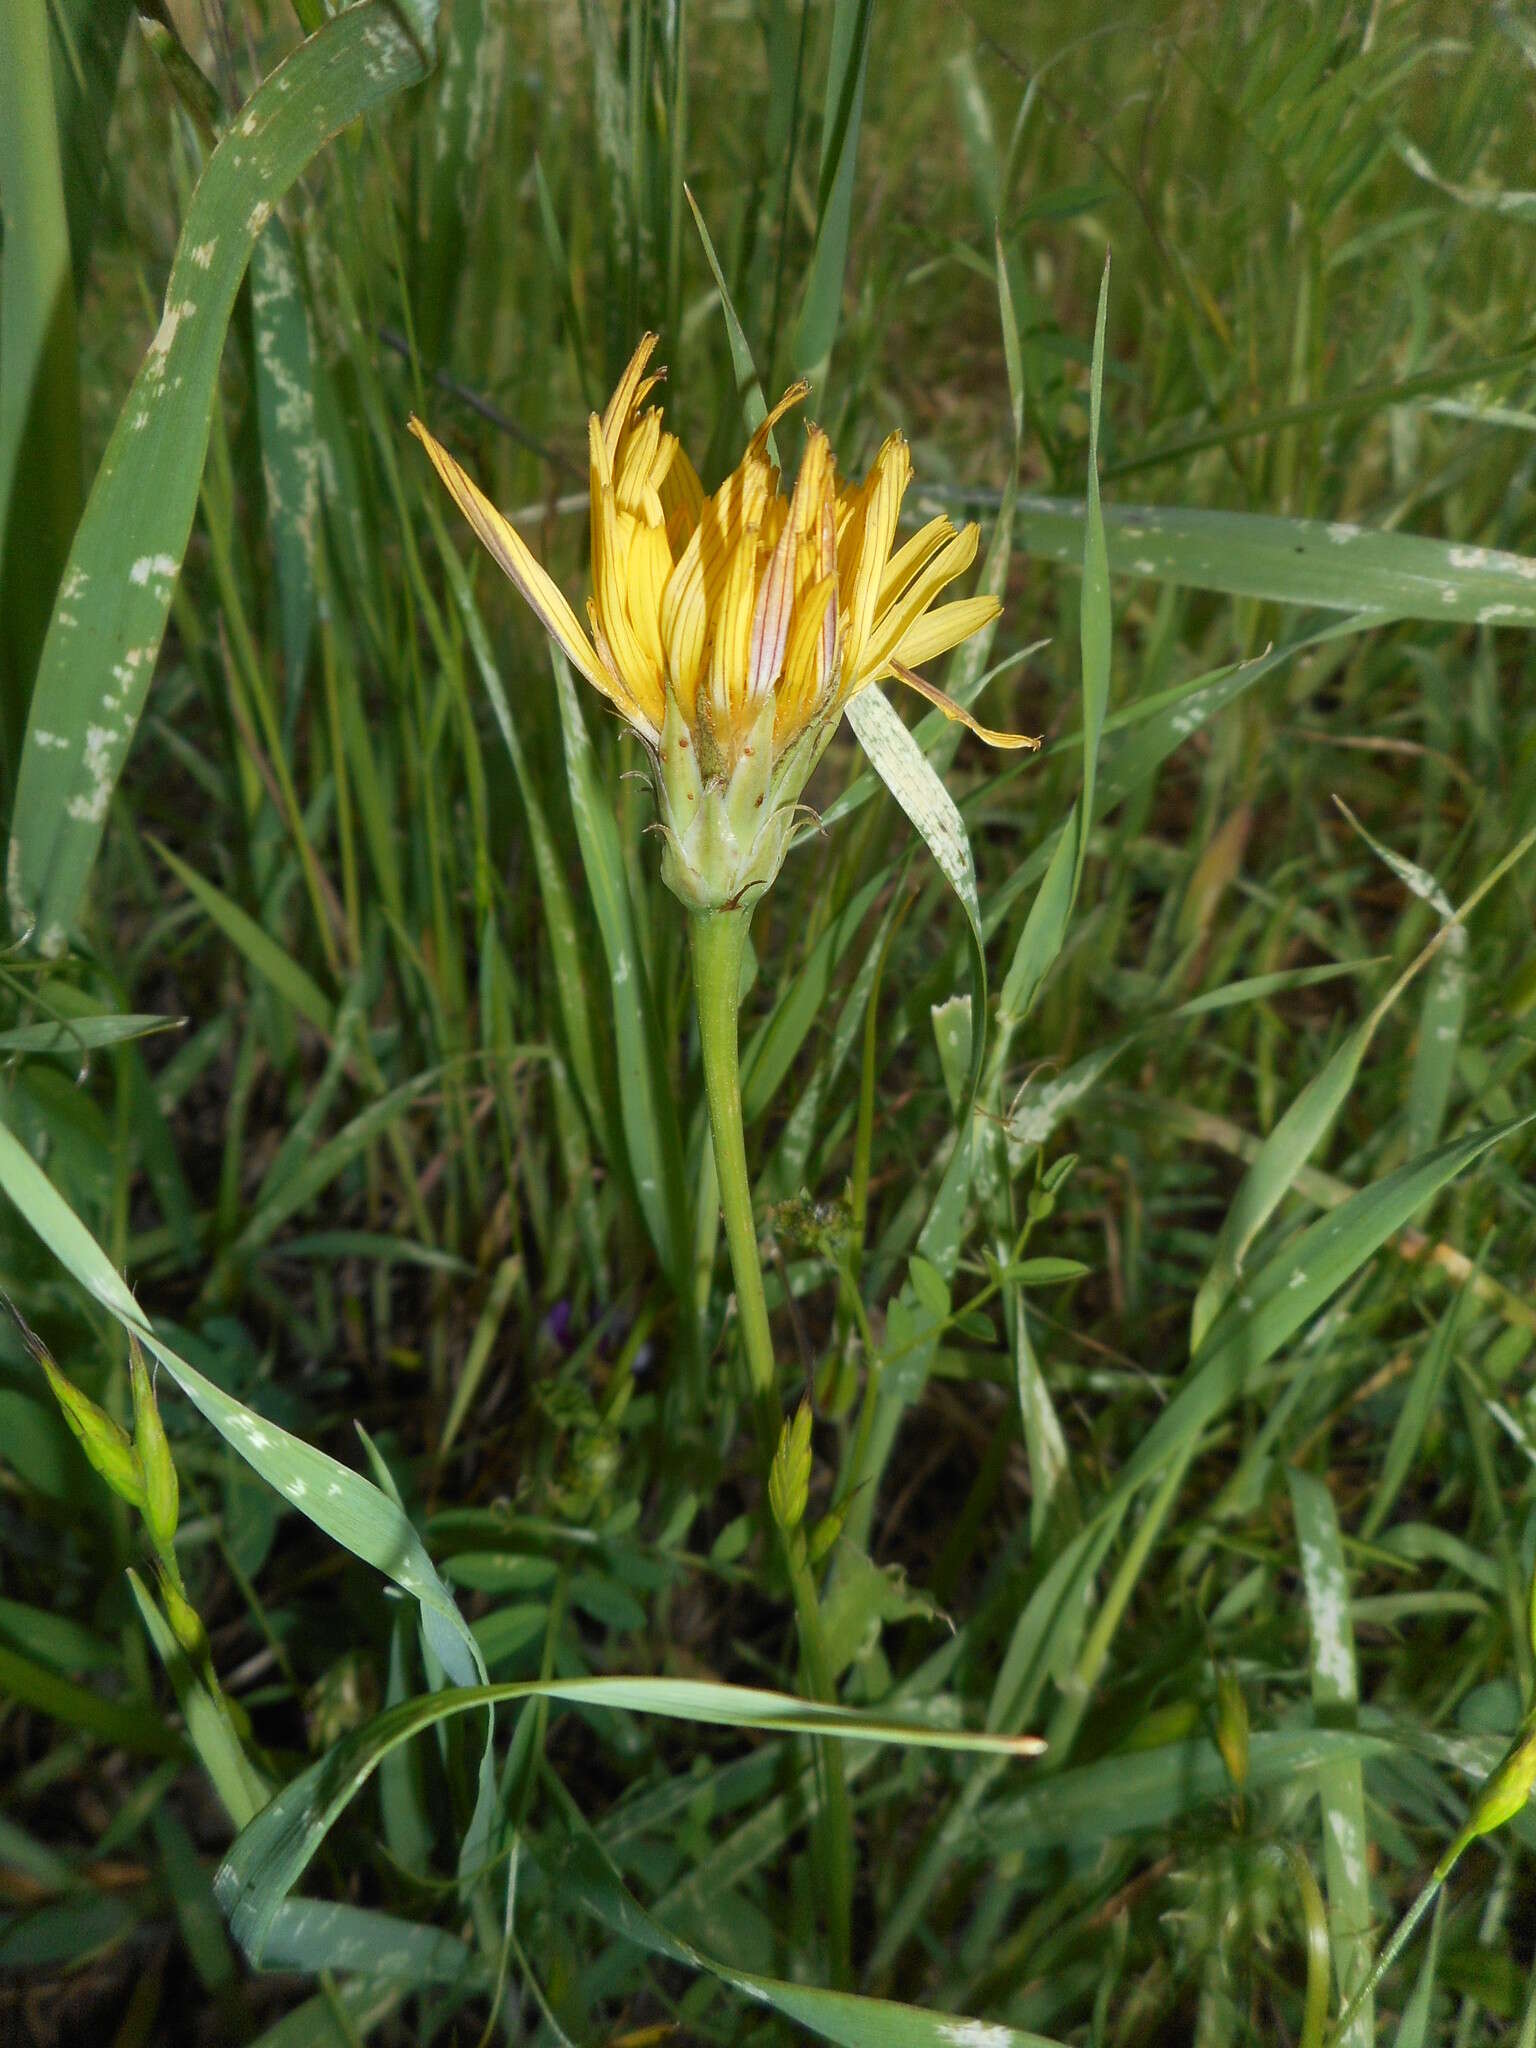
{"x":718,"y":602}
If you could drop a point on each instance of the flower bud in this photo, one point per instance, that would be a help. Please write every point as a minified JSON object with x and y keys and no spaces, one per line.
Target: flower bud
{"x":789,"y":1477}
{"x":106,"y":1444}
{"x":161,"y":1493}
{"x":725,"y":832}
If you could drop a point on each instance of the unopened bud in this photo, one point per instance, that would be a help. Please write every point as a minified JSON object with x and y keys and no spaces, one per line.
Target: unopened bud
{"x":789,"y":1478}
{"x":161,"y":1493}
{"x":1232,"y":1728}
{"x":186,"y":1622}
{"x":826,"y":1531}
{"x":107,"y":1445}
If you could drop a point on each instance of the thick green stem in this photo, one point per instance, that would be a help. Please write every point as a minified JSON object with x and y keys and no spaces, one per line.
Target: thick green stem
{"x":719,"y":944}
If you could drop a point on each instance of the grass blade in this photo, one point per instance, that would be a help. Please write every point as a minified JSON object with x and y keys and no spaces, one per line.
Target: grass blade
{"x":1340,"y":1783}
{"x":647,"y":1105}
{"x":821,"y":306}
{"x":271,"y":1855}
{"x":1296,"y":561}
{"x":39,"y":371}
{"x":116,"y":592}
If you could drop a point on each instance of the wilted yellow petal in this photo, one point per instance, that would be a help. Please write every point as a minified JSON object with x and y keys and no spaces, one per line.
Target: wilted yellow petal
{"x":508,"y":548}
{"x":958,"y":714}
{"x":775,"y":600}
{"x":625,"y":396}
{"x":797,"y":392}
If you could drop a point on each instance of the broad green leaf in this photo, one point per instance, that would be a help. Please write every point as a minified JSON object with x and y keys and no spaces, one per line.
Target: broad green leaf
{"x":312,"y":1935}
{"x":1296,"y":561}
{"x":106,"y":630}
{"x":290,"y":448}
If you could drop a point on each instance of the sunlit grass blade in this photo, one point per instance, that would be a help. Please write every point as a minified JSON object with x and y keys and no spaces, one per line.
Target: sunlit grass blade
{"x":907,"y":773}
{"x":127,"y":553}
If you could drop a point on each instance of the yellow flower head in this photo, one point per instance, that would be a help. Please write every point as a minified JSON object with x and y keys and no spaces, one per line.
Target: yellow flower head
{"x":731,"y":630}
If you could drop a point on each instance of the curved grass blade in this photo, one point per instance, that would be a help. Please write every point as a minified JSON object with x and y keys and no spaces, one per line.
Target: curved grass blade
{"x":268,"y":1858}
{"x":912,"y":779}
{"x":346,"y":1507}
{"x":106,"y":630}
